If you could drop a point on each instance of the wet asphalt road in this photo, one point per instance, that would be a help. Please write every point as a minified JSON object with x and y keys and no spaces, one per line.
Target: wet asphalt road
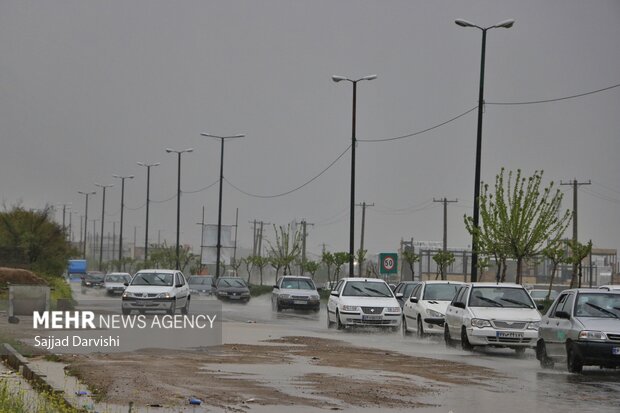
{"x":528,"y":388}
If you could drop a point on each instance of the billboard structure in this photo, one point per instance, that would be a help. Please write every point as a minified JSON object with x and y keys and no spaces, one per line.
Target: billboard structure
{"x":209,"y":244}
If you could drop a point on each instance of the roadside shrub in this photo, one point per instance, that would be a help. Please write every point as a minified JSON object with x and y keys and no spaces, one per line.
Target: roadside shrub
{"x":256,"y":290}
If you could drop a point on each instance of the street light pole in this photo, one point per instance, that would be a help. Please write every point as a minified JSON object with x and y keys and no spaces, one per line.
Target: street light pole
{"x":178,"y":152}
{"x":104,"y":187}
{"x":219,"y":213}
{"x":506,"y":24}
{"x":336,"y":79}
{"x":86,"y":195}
{"x":120,"y":237}
{"x":148,"y":186}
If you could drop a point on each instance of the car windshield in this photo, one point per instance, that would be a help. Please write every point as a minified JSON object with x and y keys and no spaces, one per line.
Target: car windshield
{"x":297,"y":284}
{"x":500,"y":297}
{"x":366,"y":289}
{"x":231,"y":282}
{"x":599,"y":305}
{"x":153,"y":278}
{"x":117,"y":278}
{"x":93,"y":277}
{"x":440,"y":292}
{"x":200,"y":280}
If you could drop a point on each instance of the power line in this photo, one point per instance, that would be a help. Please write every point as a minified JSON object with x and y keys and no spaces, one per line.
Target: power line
{"x":532,"y":102}
{"x":201,"y":189}
{"x":164,"y":200}
{"x":606,"y":187}
{"x":294,"y":189}
{"x":419,"y":132}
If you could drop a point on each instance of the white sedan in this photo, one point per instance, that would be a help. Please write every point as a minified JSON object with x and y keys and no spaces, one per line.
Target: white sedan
{"x":156,"y":290}
{"x":363,"y":302}
{"x":425,"y":309}
{"x":489,"y":314}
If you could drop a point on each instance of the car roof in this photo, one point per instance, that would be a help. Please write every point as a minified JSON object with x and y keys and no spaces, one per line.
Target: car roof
{"x":117,"y":273}
{"x":296,"y":276}
{"x":591,"y":290}
{"x":158,"y":270}
{"x":492,"y":284}
{"x":442,"y":282}
{"x":374,"y":280}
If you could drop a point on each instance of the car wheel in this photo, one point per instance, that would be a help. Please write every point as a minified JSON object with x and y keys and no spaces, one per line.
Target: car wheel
{"x":126,"y":311}
{"x":278,"y":307}
{"x":420,"y":328}
{"x":185,"y":308}
{"x":447,"y":338}
{"x":541,"y":355}
{"x":173,"y":307}
{"x":574,"y":362}
{"x":339,"y":325}
{"x":465,"y":344}
{"x":405,"y":329}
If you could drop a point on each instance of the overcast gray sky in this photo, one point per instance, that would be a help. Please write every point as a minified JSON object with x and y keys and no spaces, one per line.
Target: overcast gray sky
{"x":88,"y":88}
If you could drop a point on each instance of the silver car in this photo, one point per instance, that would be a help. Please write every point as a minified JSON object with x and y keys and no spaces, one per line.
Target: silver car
{"x":583,"y":328}
{"x":297,"y":292}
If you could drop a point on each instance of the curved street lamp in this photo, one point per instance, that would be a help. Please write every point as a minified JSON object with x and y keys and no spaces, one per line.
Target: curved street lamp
{"x":505,"y":24}
{"x":120,"y":237}
{"x":178,"y":152}
{"x":337,"y":79}
{"x":148,"y":185}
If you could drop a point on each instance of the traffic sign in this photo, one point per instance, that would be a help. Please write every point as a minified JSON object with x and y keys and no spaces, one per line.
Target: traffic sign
{"x":388,"y":263}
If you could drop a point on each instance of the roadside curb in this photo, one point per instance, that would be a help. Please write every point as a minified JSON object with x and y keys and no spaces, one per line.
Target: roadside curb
{"x":19,"y":363}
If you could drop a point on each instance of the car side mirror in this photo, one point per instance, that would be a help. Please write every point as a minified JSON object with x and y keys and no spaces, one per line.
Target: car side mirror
{"x":334,"y":293}
{"x":459,"y":305}
{"x":275,"y":286}
{"x":179,"y":285}
{"x":540,"y":307}
{"x":319,"y":288}
{"x":562,"y":314}
{"x":399,"y":296}
{"x":414,"y":299}
{"x":126,"y":284}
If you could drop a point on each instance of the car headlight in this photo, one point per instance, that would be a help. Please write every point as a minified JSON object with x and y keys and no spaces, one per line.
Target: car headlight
{"x":126,"y":294}
{"x":164,"y":295}
{"x":480,"y":323}
{"x":350,"y":308}
{"x":434,"y":313}
{"x":392,"y":310}
{"x":314,"y":297}
{"x":533,"y":325}
{"x":284,"y":296}
{"x":592,"y":335}
{"x":222,"y":293}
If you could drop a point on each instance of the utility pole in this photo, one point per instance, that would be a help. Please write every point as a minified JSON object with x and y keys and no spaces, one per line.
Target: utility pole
{"x":236,"y":226}
{"x":202,"y":229}
{"x":81,"y":235}
{"x":304,"y":234}
{"x":254,"y":239}
{"x":363,"y":205}
{"x":114,"y":238}
{"x":575,"y":184}
{"x":445,"y":227}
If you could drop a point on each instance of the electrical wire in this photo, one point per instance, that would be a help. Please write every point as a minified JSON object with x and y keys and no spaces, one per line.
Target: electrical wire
{"x":294,"y":189}
{"x":419,"y":132}
{"x":164,"y":200}
{"x":201,"y":189}
{"x":532,"y":102}
{"x":600,"y":196}
{"x":606,"y":187}
{"x":137,"y":208}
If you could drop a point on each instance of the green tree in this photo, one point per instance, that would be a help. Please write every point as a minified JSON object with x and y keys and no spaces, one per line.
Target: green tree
{"x":557,"y":255}
{"x":30,"y":238}
{"x":520,"y":219}
{"x":247,"y":262}
{"x":578,"y":252}
{"x":410,"y":257}
{"x":327,"y":258}
{"x":260,"y":263}
{"x":277,"y":263}
{"x":235,"y":264}
{"x":311,"y":267}
{"x":360,"y":256}
{"x":443,"y":259}
{"x":340,"y":258}
{"x":287,"y":248}
{"x":164,"y":256}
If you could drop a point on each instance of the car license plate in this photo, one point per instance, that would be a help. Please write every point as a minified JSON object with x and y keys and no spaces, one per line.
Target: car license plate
{"x":299,"y":302}
{"x":371,"y":317}
{"x":509,"y":334}
{"x":234,"y":297}
{"x":615,"y":351}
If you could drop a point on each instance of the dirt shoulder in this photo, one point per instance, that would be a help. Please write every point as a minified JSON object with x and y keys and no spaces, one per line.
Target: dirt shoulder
{"x":295,"y":371}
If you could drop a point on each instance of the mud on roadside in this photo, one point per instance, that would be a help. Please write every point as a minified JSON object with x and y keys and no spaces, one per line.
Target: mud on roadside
{"x":294,"y":371}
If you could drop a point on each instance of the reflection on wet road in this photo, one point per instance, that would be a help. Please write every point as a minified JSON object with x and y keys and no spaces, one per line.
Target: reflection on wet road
{"x":526,"y":387}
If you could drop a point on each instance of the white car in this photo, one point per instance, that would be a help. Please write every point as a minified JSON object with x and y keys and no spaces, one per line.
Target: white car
{"x":296,"y":292}
{"x":114,"y":282}
{"x":489,"y":314}
{"x":424,"y":310}
{"x":363,"y":302}
{"x":157,"y":290}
